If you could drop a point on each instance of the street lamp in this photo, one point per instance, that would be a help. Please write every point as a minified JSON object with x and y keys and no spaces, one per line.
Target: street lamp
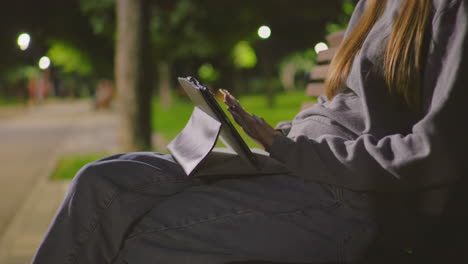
{"x":23,"y":41}
{"x":44,"y":63}
{"x":264,"y":32}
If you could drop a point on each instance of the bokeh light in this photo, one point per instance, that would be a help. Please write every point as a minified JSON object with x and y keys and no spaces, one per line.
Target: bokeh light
{"x":44,"y":63}
{"x":244,"y":56}
{"x":320,"y":47}
{"x":208,"y":73}
{"x":23,"y":41}
{"x":264,"y":32}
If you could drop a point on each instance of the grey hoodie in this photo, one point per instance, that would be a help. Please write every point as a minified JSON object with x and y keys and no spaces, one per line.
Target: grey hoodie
{"x":366,"y":140}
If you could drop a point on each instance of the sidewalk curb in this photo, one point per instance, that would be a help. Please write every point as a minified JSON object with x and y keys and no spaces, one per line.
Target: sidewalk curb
{"x":12,"y":243}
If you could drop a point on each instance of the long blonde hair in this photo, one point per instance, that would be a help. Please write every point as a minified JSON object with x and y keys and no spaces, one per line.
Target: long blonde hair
{"x":403,"y":56}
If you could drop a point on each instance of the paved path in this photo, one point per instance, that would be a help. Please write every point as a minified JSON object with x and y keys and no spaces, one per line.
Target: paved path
{"x":31,"y":141}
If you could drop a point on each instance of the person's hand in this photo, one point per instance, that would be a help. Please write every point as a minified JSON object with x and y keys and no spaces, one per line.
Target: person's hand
{"x":253,"y":126}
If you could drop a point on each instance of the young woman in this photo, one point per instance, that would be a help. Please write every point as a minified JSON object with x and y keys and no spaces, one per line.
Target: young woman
{"x":387,"y":138}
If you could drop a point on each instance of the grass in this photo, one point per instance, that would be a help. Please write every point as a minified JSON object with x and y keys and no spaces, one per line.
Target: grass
{"x":169,"y":122}
{"x":68,"y":166}
{"x":7,"y":101}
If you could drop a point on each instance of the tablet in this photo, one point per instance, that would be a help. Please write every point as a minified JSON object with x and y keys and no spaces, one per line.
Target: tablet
{"x":204,"y":99}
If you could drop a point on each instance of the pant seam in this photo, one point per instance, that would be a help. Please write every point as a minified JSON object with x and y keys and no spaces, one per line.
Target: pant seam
{"x":208,"y":220}
{"x":93,"y":226}
{"x":238,"y":213}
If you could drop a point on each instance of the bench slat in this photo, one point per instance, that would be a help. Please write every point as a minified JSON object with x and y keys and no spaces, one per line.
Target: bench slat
{"x":326,"y":56}
{"x":315,"y":89}
{"x":334,"y":39}
{"x":319,"y":72}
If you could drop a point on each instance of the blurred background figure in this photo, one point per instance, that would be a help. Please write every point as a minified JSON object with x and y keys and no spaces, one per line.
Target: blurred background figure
{"x":104,"y":94}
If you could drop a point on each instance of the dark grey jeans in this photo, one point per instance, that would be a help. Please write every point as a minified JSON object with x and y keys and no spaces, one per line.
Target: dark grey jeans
{"x":141,"y":208}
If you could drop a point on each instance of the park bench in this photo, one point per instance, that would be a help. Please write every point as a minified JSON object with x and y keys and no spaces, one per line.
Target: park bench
{"x":448,"y":242}
{"x":317,"y":76}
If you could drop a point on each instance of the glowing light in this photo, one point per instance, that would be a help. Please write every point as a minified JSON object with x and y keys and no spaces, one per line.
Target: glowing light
{"x":264,"y":32}
{"x":243,"y":55}
{"x":23,"y":41}
{"x":320,"y":47}
{"x":208,"y":73}
{"x":44,"y":63}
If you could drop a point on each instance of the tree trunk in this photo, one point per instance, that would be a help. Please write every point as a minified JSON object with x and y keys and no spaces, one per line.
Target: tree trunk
{"x":164,"y":83}
{"x":131,"y":80}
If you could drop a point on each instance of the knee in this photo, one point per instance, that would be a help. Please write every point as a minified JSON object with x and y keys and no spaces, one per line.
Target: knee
{"x":127,"y":172}
{"x":88,"y":177}
{"x":88,"y":189}
{"x":94,"y":172}
{"x":91,"y":185}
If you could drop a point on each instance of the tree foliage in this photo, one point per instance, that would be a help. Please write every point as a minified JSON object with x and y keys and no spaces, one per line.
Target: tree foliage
{"x":190,"y":33}
{"x":243,"y":55}
{"x":175,"y":34}
{"x":101,"y":16}
{"x":70,"y":58}
{"x":343,"y":18}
